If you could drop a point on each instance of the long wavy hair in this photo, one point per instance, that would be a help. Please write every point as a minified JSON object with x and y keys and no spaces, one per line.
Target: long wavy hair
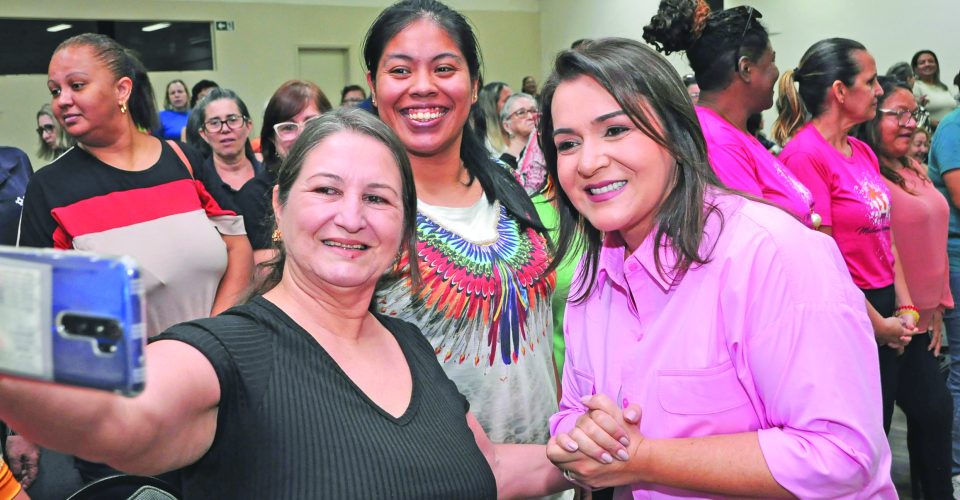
{"x":649,"y":90}
{"x":64,"y":140}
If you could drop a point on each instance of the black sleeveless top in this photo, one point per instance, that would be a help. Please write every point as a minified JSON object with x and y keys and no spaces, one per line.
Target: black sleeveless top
{"x":292,"y":425}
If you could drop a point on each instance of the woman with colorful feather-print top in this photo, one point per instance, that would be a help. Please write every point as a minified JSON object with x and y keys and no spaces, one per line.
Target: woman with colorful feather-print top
{"x":485,"y":303}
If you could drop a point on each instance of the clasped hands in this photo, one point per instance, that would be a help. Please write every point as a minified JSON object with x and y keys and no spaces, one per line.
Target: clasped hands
{"x":896,"y":332}
{"x":604,"y":448}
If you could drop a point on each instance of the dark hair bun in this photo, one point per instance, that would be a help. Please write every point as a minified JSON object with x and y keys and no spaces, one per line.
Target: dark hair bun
{"x":676,"y":25}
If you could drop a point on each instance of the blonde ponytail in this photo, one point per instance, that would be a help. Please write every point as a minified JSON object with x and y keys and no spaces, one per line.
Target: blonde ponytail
{"x":793,"y":114}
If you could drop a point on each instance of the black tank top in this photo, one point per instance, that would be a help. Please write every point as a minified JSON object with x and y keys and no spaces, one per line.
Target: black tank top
{"x":292,"y":425}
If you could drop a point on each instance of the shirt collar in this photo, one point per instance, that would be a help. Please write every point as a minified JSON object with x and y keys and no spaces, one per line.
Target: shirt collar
{"x":619,"y":268}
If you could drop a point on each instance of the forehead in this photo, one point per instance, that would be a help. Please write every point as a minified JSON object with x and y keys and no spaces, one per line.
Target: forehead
{"x":580,"y":99}
{"x":353,"y":157}
{"x":75,"y":58}
{"x":521,"y":102}
{"x":868,"y":66}
{"x":225,"y":106}
{"x":901,"y":98}
{"x":422,"y":38}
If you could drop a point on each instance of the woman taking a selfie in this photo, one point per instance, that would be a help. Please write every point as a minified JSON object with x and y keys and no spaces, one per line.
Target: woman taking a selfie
{"x":340,"y":401}
{"x":695,"y":326}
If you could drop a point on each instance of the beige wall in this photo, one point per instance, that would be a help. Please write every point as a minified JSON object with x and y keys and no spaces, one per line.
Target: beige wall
{"x":262,"y":52}
{"x":564,"y":21}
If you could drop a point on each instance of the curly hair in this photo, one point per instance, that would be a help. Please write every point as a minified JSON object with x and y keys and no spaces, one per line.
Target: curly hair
{"x":714,"y":41}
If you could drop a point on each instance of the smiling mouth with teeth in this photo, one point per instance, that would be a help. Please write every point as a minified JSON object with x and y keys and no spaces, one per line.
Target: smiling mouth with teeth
{"x":337,"y":244}
{"x":425,"y":115}
{"x":613,"y":186}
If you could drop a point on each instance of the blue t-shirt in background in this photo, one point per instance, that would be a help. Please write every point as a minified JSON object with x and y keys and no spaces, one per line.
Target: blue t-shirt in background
{"x":944,"y":157}
{"x":171,"y":123}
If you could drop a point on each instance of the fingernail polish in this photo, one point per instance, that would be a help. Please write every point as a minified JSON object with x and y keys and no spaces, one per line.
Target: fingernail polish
{"x":606,"y":458}
{"x":624,"y":441}
{"x":623,"y":455}
{"x":571,"y":447}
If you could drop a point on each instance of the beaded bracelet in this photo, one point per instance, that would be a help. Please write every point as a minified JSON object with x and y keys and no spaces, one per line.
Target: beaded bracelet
{"x":909,"y":309}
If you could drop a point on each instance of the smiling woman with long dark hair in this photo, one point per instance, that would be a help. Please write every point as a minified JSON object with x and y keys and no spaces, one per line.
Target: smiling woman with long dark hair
{"x":485,"y":304}
{"x":695,"y":340}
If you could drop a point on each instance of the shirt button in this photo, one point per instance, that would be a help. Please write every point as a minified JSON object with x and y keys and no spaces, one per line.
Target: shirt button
{"x":632,"y":267}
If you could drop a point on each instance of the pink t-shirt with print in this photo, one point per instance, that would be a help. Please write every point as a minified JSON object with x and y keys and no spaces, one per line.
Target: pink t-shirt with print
{"x":852,"y":199}
{"x":742,"y":163}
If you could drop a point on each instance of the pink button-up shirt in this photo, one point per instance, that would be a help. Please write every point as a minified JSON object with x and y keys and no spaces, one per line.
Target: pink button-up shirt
{"x":770,"y":336}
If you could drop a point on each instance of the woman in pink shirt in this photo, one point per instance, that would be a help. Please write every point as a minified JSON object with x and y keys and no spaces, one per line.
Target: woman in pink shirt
{"x":730,"y":53}
{"x":836,"y":84}
{"x":919,"y":215}
{"x":696,"y":307}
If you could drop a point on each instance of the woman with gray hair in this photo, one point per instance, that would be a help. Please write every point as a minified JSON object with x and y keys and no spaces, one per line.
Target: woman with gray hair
{"x":518,"y":117}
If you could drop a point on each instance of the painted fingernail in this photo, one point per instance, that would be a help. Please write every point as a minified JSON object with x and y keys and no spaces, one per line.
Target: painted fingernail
{"x":623,"y":455}
{"x":606,"y":458}
{"x":624,"y":441}
{"x":571,"y":447}
{"x":584,"y":399}
{"x":630,"y":414}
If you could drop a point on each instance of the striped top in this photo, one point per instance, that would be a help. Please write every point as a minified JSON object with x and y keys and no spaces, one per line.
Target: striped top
{"x":291,"y":423}
{"x":160,"y":216}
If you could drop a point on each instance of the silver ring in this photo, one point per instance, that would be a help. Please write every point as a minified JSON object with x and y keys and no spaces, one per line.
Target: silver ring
{"x":567,"y":476}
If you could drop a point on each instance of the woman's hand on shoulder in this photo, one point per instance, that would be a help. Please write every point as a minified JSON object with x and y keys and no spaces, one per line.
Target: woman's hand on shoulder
{"x":603,"y":447}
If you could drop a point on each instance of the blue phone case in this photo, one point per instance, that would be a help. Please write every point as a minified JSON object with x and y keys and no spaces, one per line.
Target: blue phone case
{"x":72,"y":317}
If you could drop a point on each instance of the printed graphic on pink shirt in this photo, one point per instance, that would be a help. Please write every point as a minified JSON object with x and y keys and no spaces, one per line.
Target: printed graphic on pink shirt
{"x":797,"y":185}
{"x":878,"y":202}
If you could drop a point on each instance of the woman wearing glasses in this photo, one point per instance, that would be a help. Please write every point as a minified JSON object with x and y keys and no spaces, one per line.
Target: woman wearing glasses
{"x":836,"y":84}
{"x":519,"y":119}
{"x":232,"y":174}
{"x":735,"y":67}
{"x":920,"y":221}
{"x":53,"y":140}
{"x":291,"y":106}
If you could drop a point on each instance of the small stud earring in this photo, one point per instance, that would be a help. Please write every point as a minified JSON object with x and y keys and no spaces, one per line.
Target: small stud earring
{"x":277,"y":236}
{"x":123,"y":108}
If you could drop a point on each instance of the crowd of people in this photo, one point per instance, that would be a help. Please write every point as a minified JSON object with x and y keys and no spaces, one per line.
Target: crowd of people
{"x":443,"y":288}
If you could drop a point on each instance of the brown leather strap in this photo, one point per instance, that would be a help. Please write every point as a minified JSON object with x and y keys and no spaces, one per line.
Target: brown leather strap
{"x":183,"y":157}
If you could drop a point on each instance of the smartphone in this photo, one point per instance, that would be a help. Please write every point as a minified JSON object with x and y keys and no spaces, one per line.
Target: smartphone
{"x":73,"y":318}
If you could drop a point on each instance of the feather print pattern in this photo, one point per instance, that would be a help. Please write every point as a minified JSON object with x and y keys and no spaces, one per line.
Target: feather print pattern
{"x":480,"y":301}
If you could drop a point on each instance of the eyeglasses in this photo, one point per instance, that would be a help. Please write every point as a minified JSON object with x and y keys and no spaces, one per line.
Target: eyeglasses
{"x":754,"y":13}
{"x":45,"y":128}
{"x":291,"y":130}
{"x":525,"y":112}
{"x":903,"y":115}
{"x":232,"y":122}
